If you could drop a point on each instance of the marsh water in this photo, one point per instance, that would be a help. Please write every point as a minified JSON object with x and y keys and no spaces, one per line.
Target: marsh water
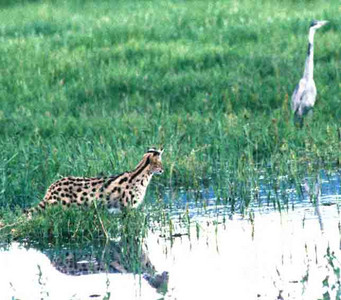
{"x":286,"y":245}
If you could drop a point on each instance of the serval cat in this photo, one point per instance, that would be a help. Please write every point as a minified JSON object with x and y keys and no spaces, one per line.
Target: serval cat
{"x":114,"y":192}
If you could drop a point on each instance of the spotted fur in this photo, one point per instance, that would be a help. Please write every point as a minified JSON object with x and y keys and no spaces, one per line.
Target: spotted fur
{"x":115,"y":192}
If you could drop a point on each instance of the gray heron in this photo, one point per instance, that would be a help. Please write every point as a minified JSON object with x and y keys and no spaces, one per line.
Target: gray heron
{"x":304,"y":96}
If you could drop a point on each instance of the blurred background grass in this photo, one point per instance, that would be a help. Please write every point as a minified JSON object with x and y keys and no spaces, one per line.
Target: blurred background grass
{"x":88,"y":86}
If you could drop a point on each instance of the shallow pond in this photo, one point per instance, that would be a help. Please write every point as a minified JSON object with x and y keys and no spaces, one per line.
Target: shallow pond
{"x":266,"y":253}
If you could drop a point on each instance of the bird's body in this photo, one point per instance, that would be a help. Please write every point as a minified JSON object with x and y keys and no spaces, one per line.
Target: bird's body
{"x":304,"y":96}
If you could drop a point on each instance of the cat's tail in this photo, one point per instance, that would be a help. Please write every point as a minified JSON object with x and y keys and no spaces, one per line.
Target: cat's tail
{"x":28,"y":212}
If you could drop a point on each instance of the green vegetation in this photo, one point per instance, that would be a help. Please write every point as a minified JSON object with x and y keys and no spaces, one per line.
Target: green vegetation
{"x":87,"y":86}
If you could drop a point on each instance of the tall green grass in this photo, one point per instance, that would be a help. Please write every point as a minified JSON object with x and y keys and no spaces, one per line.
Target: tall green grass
{"x":88,"y":86}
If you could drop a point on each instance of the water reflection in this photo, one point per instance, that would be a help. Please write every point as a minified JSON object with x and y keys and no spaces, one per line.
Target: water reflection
{"x":79,"y":272}
{"x":113,"y":257}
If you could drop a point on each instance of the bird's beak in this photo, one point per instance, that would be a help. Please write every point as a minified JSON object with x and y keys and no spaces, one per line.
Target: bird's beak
{"x":324,"y":23}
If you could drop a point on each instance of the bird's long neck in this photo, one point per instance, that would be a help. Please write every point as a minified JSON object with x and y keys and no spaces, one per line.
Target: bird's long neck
{"x":309,"y":62}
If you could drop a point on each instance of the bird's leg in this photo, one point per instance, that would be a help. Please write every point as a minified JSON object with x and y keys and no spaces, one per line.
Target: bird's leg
{"x":298,"y":121}
{"x":309,"y":116}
